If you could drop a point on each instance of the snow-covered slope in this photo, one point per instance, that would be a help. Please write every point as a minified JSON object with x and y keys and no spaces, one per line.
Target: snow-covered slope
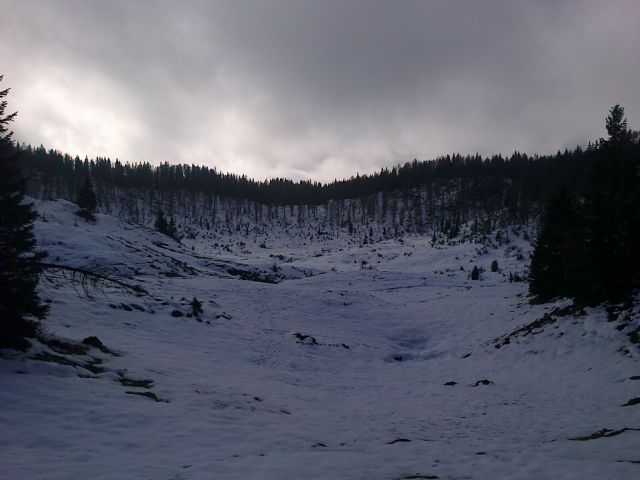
{"x":373,"y":362}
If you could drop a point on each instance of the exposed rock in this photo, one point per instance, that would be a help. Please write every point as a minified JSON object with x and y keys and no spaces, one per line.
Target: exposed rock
{"x":305,"y":339}
{"x":132,"y":382}
{"x":482,"y":382}
{"x":398,"y":440}
{"x":150,"y":395}
{"x":97,"y":343}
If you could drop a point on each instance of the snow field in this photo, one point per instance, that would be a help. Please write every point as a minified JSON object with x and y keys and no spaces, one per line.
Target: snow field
{"x":359,"y":393}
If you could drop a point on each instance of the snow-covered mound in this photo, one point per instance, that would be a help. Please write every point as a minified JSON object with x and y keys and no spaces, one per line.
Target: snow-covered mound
{"x":384,"y":361}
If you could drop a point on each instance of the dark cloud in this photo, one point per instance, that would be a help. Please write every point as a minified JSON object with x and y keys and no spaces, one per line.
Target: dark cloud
{"x":317,"y":89}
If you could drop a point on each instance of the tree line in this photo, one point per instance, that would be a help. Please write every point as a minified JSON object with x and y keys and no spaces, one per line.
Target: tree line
{"x":531,"y":178}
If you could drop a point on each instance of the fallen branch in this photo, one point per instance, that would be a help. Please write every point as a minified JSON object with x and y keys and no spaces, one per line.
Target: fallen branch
{"x":90,"y":280}
{"x":605,"y":433}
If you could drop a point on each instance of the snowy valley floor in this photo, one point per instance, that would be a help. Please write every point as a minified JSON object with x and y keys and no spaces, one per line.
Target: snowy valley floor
{"x":377,"y":362}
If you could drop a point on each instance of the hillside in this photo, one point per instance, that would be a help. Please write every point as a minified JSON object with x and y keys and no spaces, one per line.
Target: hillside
{"x":318,"y":356}
{"x":439,"y":196}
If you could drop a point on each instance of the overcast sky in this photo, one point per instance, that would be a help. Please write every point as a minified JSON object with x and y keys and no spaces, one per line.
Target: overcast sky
{"x":316,"y":89}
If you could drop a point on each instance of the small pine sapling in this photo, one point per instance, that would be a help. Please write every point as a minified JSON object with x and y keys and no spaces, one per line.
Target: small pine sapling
{"x":196,"y":307}
{"x":475,"y":273}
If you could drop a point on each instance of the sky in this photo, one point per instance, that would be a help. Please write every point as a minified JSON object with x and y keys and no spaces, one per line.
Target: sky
{"x":318,"y":89}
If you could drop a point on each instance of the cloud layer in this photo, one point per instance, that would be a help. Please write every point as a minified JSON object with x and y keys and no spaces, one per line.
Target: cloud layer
{"x":316,"y":89}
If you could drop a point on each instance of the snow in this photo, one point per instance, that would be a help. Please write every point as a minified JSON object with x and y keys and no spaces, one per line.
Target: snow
{"x":359,"y":394}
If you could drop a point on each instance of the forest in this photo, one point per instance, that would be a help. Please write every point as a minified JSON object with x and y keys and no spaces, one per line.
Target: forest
{"x":529,"y":178}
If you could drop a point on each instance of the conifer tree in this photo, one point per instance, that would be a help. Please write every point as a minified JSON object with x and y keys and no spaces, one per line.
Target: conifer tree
{"x":20,"y":264}
{"x":475,"y":273}
{"x":161,"y":222}
{"x":616,"y":123}
{"x":86,"y":198}
{"x":548,"y":274}
{"x":609,"y":215}
{"x":591,"y":252}
{"x":172,"y":230}
{"x":196,"y":307}
{"x":167,"y":227}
